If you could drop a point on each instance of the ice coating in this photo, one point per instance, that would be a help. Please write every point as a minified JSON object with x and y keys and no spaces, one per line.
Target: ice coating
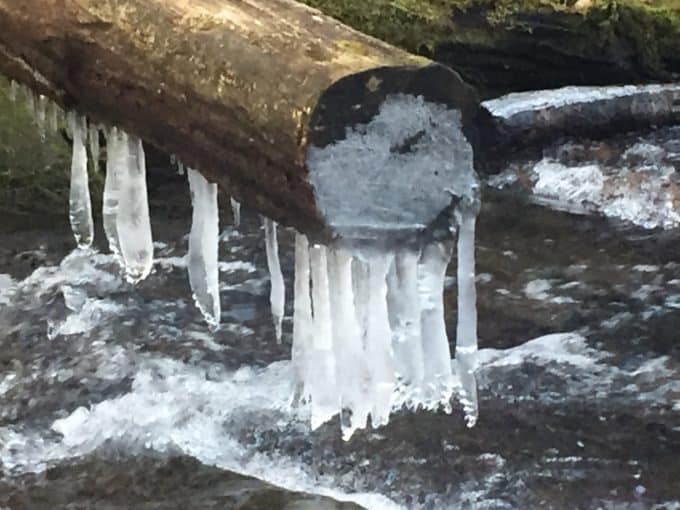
{"x":80,"y":206}
{"x":466,"y":329}
{"x":277,"y":295}
{"x":235,"y":211}
{"x":116,"y":155}
{"x":408,"y":158}
{"x":133,"y":225}
{"x":302,"y":316}
{"x":203,"y":260}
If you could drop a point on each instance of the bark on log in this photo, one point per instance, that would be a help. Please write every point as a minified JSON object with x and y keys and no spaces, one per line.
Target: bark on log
{"x":229,"y":86}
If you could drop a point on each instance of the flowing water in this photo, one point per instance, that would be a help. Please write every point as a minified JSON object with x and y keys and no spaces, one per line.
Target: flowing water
{"x":120,"y":396}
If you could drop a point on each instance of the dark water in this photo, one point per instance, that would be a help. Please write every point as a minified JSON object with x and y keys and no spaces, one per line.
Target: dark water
{"x":119,"y":397}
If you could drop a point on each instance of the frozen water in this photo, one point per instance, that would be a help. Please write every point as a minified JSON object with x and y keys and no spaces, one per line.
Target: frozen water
{"x":203,"y":247}
{"x":277,"y":295}
{"x":466,"y":329}
{"x":408,"y":159}
{"x":116,"y":156}
{"x":303,"y":327}
{"x":80,"y":206}
{"x":235,"y":211}
{"x":41,"y":103}
{"x":519,"y":102}
{"x":133,"y":226}
{"x":93,"y":142}
{"x":321,"y":366}
{"x":437,"y":376}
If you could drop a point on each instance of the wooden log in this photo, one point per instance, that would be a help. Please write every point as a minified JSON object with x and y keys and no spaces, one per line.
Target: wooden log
{"x":239,"y":89}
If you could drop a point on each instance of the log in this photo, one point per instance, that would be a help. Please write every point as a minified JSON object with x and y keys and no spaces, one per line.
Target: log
{"x":502,"y":46}
{"x":242,"y":90}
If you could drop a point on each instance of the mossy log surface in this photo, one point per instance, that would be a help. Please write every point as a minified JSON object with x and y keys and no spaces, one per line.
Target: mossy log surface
{"x":229,"y":86}
{"x":503,"y":46}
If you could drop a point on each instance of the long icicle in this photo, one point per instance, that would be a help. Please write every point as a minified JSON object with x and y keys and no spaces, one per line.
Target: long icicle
{"x":93,"y":143}
{"x":321,"y":367}
{"x":302,"y":319}
{"x":277,"y":296}
{"x":466,"y":329}
{"x":133,"y":224}
{"x":80,"y":206}
{"x":437,"y":376}
{"x":351,"y":367}
{"x":203,"y":248}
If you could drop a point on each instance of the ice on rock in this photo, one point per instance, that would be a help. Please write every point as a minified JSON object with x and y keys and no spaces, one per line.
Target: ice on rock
{"x":203,"y":247}
{"x":80,"y":207}
{"x":236,"y":212}
{"x":466,"y":329}
{"x":133,"y":225}
{"x":437,"y":376}
{"x":93,"y":142}
{"x":277,"y":294}
{"x":321,"y":364}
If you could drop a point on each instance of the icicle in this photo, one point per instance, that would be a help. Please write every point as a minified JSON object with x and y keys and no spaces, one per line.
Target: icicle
{"x":93,"y":142}
{"x":30,"y":101}
{"x":437,"y":377}
{"x":277,"y":295}
{"x":203,"y":248}
{"x":379,"y":339}
{"x":466,"y":330}
{"x":302,"y":318}
{"x":116,"y":157}
{"x":321,"y":357}
{"x":13,"y":89}
{"x":404,"y":307}
{"x":80,"y":207}
{"x":236,"y":212}
{"x":180,"y":168}
{"x":351,"y":369}
{"x":41,"y":115}
{"x":133,"y":225}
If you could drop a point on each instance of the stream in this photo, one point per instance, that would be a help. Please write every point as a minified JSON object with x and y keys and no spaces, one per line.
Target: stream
{"x":119,"y":396}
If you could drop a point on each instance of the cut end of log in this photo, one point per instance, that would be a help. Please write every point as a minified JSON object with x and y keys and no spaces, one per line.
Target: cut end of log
{"x":389,"y":149}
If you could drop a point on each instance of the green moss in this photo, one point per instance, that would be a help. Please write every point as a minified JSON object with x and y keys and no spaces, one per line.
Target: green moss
{"x":34,"y":173}
{"x":651,"y":26}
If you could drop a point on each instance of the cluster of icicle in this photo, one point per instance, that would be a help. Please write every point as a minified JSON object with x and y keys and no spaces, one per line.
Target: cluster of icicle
{"x":125,"y":211}
{"x":369,"y":334}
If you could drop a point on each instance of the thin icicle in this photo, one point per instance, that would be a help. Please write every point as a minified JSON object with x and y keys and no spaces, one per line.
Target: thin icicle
{"x":466,"y":330}
{"x":277,"y":295}
{"x":181,"y":170}
{"x":302,"y":319}
{"x":236,"y":212}
{"x":133,"y":225}
{"x":80,"y":207}
{"x":93,"y":142}
{"x":379,"y":340}
{"x":116,"y":158}
{"x":203,"y":248}
{"x":404,"y":307}
{"x":437,"y":377}
{"x":351,"y":369}
{"x":321,"y":358}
